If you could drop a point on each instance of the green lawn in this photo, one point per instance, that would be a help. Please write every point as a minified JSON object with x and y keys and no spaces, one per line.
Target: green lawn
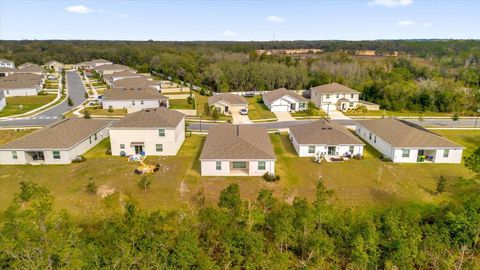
{"x":99,"y":84}
{"x":116,"y":112}
{"x":315,"y":112}
{"x":18,"y":105}
{"x":356,"y":182}
{"x":180,"y":104}
{"x":396,"y":113}
{"x":257,"y":110}
{"x":7,"y":135}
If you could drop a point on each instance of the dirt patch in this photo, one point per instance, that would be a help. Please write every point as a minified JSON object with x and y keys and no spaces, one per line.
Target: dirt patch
{"x":105,"y":191}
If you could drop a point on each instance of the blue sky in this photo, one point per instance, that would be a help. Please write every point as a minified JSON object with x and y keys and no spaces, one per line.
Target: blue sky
{"x":239,"y":20}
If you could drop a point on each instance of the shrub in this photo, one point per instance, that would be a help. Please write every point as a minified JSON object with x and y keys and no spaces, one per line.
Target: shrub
{"x":110,"y":109}
{"x":206,"y":108}
{"x":215,"y":115}
{"x":386,"y":158}
{"x":190,"y":99}
{"x":144,"y":182}
{"x":70,"y":102}
{"x":79,"y":159}
{"x":86,"y":114}
{"x":91,"y":187}
{"x":441,"y":185}
{"x":270,"y":177}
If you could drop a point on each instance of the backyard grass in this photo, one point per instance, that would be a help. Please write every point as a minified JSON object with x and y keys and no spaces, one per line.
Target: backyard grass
{"x":258,"y":110}
{"x":315,"y":112}
{"x":397,"y":113}
{"x":180,"y":104}
{"x":356,"y":183}
{"x":18,"y":105}
{"x":7,"y":135}
{"x":115,"y":112}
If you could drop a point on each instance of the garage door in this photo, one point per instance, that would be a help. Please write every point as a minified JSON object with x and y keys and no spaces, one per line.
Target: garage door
{"x":279,"y":108}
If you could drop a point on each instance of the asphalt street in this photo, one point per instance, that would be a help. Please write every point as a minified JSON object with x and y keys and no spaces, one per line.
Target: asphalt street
{"x":76,"y":91}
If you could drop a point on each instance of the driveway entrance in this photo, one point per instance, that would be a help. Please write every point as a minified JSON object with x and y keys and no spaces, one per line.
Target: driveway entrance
{"x":284,"y":116}
{"x":237,"y":118}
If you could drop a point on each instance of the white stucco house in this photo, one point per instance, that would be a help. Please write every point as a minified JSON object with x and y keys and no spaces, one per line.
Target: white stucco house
{"x":54,"y":65}
{"x":21,"y":84}
{"x":132,"y":99}
{"x":152,"y":132}
{"x":402,"y":141}
{"x":98,"y":62}
{"x":136,"y":83}
{"x":29,"y":68}
{"x":58,"y":143}
{"x":283,"y":100}
{"x":110,"y":68}
{"x":237,"y":150}
{"x":3,"y":100}
{"x":7,"y":63}
{"x":324,"y":138}
{"x":227,"y":103}
{"x":111,"y":78}
{"x":334,"y":96}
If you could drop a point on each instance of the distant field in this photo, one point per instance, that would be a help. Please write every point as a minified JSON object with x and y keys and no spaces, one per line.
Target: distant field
{"x":356,"y":183}
{"x":18,"y":105}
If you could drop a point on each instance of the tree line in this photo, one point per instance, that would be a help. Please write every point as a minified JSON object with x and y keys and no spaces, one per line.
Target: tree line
{"x":430,"y":75}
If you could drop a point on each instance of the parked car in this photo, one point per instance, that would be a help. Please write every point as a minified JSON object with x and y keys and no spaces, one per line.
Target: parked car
{"x":249,"y":94}
{"x":243,"y":111}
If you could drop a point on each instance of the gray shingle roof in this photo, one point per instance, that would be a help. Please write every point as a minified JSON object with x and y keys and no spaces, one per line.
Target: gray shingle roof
{"x":135,"y":83}
{"x":227,"y":141}
{"x":400,"y":133}
{"x":323,"y":132}
{"x":112,"y":67}
{"x":151,"y":118}
{"x":63,"y":134}
{"x":30,"y":69}
{"x":20,"y":80}
{"x":333,"y":88}
{"x":132,"y":94}
{"x":229,"y":98}
{"x":279,"y":93}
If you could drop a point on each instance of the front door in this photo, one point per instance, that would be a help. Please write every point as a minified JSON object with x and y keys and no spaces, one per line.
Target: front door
{"x":138,"y":149}
{"x":344,"y":106}
{"x":38,"y":156}
{"x":292,"y":106}
{"x":226,"y":109}
{"x":331,"y":150}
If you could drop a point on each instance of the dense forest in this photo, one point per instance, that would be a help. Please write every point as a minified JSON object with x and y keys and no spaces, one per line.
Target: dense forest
{"x":429,"y":75}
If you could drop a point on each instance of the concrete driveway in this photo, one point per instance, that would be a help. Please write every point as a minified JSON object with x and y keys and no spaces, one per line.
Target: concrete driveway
{"x":238,"y":118}
{"x":284,"y":116}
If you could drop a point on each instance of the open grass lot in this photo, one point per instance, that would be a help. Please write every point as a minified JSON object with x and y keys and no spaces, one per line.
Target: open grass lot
{"x":180,"y":104}
{"x":18,"y":105}
{"x":356,"y":183}
{"x":396,"y":113}
{"x":257,"y":110}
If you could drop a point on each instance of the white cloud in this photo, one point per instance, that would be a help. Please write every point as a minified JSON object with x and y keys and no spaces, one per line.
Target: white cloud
{"x":275,"y":19}
{"x":405,"y":23}
{"x":427,"y":24}
{"x":391,"y":3}
{"x":122,"y":15}
{"x":79,"y":9}
{"x":229,"y":33}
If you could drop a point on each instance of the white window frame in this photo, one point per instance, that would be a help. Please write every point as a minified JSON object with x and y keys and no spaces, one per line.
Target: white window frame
{"x":161,"y":132}
{"x":122,"y":146}
{"x":218,"y":165}
{"x":14,"y":155}
{"x":157,"y":147}
{"x":446,"y":153}
{"x":56,"y":154}
{"x":309,"y":149}
{"x":260,"y":166}
{"x":405,"y":153}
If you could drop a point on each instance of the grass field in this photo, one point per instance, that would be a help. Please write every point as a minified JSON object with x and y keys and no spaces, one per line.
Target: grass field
{"x":180,"y":104}
{"x":315,"y":112}
{"x":10,"y":134}
{"x":18,"y":105}
{"x":396,"y":113}
{"x":257,"y":110}
{"x":115,"y":112}
{"x":356,"y":183}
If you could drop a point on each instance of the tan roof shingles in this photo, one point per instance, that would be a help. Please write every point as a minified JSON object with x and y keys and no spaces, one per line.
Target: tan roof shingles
{"x":135,"y":83}
{"x":133,"y":94}
{"x":20,"y":80}
{"x":228,"y":98}
{"x":151,"y":118}
{"x":323,"y":132}
{"x":61,"y":135}
{"x":279,"y":93}
{"x":333,"y":88}
{"x":227,"y":141}
{"x":399,"y":133}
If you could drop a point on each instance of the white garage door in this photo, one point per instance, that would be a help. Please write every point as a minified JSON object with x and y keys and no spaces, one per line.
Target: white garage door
{"x":279,"y":108}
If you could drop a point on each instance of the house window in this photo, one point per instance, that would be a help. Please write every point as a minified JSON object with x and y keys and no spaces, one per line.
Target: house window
{"x":133,"y":102}
{"x":14,"y":155}
{"x":327,"y":96}
{"x":311,"y":149}
{"x":159,"y":147}
{"x":405,"y":153}
{"x":161,"y":132}
{"x":218,"y":165}
{"x":352,"y":95}
{"x":351,"y":149}
{"x":95,"y":136}
{"x":301,"y":105}
{"x":239,"y":165}
{"x":370,"y":136}
{"x":261,"y":165}
{"x":375,"y":139}
{"x":122,"y":146}
{"x":90,"y":139}
{"x":141,"y":102}
{"x":350,"y":104}
{"x":338,"y":95}
{"x":56,"y":154}
{"x":446,"y":152}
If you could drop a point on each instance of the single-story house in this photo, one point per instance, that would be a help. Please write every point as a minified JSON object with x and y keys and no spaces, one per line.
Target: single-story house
{"x":7,"y":71}
{"x":31,"y":69}
{"x":151,"y":132}
{"x":402,"y":141}
{"x":334,"y":96}
{"x":110,"y":68}
{"x":227,"y":102}
{"x":237,"y":150}
{"x":110,"y":78}
{"x":21,"y":84}
{"x":84,"y":65}
{"x":7,"y":63}
{"x":133,"y":99}
{"x":55,"y":65}
{"x":283,"y":100}
{"x":324,"y":138}
{"x":137,"y":83}
{"x":3,"y":100}
{"x":26,"y":64}
{"x":58,"y":143}
{"x":100,"y":62}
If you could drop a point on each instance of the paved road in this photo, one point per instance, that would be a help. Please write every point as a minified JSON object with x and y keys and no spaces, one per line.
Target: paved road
{"x":447,"y":123}
{"x":76,"y":91}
